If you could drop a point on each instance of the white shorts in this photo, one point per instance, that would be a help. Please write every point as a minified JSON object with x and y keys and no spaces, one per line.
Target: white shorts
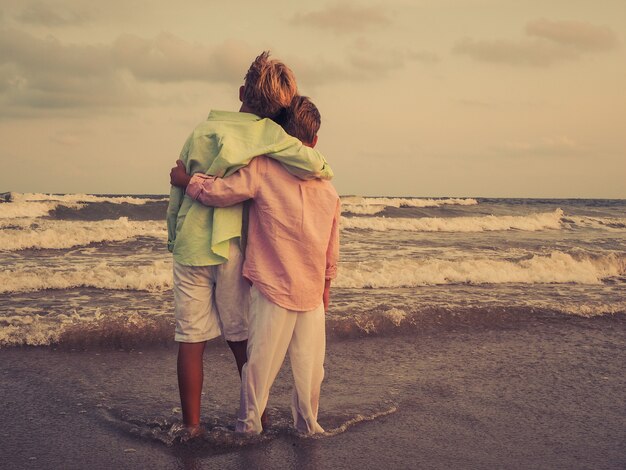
{"x":211,"y":299}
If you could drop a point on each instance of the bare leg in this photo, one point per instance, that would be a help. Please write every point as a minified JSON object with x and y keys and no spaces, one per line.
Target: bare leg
{"x":190,"y":378}
{"x":239,"y":349}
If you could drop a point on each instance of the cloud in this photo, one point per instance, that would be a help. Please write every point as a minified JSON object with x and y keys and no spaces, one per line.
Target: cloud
{"x":364,"y":60}
{"x":357,"y":66}
{"x":559,"y":146}
{"x":45,"y":75}
{"x":423,"y":56}
{"x":68,"y":137}
{"x":42,"y":75}
{"x":370,"y":64}
{"x":537,"y":53}
{"x":342,"y":18}
{"x":577,"y":35}
{"x":38,"y":95}
{"x":49,"y":56}
{"x":547,"y":43}
{"x":164,"y":58}
{"x":41,"y":14}
{"x":168,"y":58}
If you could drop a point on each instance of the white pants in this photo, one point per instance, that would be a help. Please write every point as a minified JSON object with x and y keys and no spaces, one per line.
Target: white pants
{"x":272,"y":331}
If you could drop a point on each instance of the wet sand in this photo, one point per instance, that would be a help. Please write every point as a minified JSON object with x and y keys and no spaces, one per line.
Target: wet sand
{"x":546,"y":392}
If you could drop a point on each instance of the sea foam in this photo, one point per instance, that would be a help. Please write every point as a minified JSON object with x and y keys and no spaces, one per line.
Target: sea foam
{"x":153,"y":278}
{"x":82,"y":198}
{"x":361,"y":209}
{"x":532,"y":222}
{"x":406,"y":202}
{"x":20,"y":209}
{"x":40,"y":205}
{"x":370,"y":205}
{"x":67,"y":234}
{"x":557,"y":267}
{"x":602,"y":223}
{"x":111,"y":328}
{"x":119,"y":326}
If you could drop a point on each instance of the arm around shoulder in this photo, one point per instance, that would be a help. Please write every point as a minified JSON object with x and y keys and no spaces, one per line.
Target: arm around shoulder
{"x":223,"y":192}
{"x":304,"y":162}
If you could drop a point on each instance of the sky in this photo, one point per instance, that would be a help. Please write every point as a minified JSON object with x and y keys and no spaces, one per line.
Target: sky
{"x":476,"y":98}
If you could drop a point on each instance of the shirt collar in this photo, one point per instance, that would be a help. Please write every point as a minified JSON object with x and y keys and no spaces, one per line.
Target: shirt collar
{"x":215,"y":115}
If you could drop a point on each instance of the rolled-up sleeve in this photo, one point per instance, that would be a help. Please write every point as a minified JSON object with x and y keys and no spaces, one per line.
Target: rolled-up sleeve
{"x":332,"y":252}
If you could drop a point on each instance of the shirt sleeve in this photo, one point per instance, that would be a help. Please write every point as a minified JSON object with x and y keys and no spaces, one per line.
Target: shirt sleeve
{"x":304,"y":162}
{"x":176,"y":199}
{"x":271,"y":140}
{"x":223,"y":192}
{"x":332,"y":252}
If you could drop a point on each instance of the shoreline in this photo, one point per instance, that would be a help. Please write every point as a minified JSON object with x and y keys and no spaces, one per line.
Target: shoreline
{"x":548,"y":393}
{"x":147,"y":331}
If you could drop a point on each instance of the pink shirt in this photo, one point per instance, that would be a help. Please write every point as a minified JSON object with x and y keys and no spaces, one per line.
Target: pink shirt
{"x":293,"y":231}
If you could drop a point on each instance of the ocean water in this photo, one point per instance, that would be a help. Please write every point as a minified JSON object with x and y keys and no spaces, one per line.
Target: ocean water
{"x":468,"y":332}
{"x":86,"y":270}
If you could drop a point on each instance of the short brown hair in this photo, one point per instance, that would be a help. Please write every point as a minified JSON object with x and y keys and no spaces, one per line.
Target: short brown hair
{"x":269,"y":86}
{"x":301,"y":119}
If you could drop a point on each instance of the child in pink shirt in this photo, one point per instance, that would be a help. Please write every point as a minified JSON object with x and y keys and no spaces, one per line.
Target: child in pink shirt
{"x":291,"y":257}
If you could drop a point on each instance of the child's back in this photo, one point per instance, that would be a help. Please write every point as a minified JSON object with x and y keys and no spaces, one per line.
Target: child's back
{"x":291,"y":256}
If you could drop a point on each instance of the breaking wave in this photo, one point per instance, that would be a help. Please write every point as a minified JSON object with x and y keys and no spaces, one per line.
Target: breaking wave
{"x":17,"y":210}
{"x":133,"y":329}
{"x":361,"y":210}
{"x":119,"y":329}
{"x":407,"y":202}
{"x":40,"y":205}
{"x":603,"y":223}
{"x":23,"y":234}
{"x":370,"y":205}
{"x":82,"y":198}
{"x":152,"y":278}
{"x":558,"y":267}
{"x":533,"y":222}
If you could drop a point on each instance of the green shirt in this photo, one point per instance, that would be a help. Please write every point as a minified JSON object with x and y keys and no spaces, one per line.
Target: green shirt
{"x":199,"y":235}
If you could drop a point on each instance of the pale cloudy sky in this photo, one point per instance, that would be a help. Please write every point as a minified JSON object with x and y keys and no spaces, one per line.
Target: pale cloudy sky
{"x":425,"y":97}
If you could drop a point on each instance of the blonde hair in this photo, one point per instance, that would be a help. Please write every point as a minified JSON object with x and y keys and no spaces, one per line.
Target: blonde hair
{"x":301,"y":119}
{"x":269,"y":86}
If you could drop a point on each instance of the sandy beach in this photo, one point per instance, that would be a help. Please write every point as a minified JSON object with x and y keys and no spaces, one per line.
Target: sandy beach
{"x":545,"y":391}
{"x":477,"y":319}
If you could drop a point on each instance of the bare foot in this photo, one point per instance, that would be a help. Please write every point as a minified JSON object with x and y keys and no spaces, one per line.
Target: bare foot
{"x":194,"y":431}
{"x":183,"y":433}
